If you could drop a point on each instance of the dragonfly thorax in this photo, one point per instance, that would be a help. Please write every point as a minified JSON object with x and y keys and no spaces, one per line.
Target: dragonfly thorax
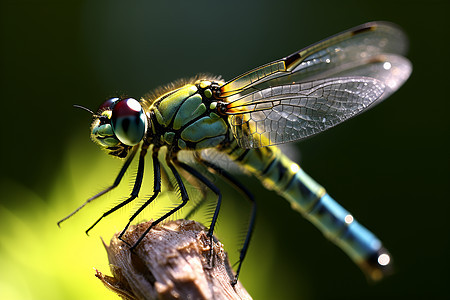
{"x":189,"y":118}
{"x":118,"y":125}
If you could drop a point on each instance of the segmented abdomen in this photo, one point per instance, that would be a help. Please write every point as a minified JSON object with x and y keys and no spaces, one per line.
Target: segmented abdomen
{"x":279,"y":173}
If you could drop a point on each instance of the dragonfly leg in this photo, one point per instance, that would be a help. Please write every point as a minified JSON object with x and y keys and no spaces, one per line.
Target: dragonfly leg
{"x":184,"y":200}
{"x":211,"y":186}
{"x":134,"y":193}
{"x":156,"y":191}
{"x":216,"y":191}
{"x":237,"y":185}
{"x":196,"y":207}
{"x":115,"y":184}
{"x":199,"y":202}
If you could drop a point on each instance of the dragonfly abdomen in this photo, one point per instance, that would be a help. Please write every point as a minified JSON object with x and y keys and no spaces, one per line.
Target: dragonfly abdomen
{"x":277,"y":172}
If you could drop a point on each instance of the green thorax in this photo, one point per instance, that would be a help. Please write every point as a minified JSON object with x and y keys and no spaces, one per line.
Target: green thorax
{"x":188,"y":119}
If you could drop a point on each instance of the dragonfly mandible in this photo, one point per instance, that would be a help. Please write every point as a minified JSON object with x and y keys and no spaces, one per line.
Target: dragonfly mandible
{"x":245,"y":118}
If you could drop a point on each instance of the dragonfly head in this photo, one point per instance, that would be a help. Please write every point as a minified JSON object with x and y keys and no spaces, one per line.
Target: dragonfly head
{"x":120,"y":124}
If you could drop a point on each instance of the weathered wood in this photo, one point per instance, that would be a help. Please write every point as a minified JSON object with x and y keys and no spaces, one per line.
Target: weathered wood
{"x":173,"y":261}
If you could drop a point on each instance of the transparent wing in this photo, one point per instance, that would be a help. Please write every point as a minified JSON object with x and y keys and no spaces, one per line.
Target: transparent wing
{"x":222,"y":160}
{"x":286,"y":113}
{"x":318,"y":87}
{"x":323,"y":59}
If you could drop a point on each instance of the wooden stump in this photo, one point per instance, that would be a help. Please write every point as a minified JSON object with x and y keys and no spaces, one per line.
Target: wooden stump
{"x":173,"y":261}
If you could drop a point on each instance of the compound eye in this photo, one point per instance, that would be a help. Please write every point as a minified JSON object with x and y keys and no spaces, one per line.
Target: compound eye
{"x":128,"y":121}
{"x":107,"y":105}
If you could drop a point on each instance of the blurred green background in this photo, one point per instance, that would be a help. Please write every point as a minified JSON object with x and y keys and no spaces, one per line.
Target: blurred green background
{"x":389,"y":167}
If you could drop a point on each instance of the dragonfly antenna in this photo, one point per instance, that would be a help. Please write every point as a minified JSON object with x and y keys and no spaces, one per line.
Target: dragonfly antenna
{"x":84,"y":108}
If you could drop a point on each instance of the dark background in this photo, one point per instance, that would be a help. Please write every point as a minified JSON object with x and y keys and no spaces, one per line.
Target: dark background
{"x":389,"y":167}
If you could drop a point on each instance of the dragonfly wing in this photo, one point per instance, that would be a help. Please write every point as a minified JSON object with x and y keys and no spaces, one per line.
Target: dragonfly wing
{"x":391,"y":69}
{"x":213,"y":156}
{"x":222,"y":160}
{"x":285,"y":113}
{"x":323,"y":59}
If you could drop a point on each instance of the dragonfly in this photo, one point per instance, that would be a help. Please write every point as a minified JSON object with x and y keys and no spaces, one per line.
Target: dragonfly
{"x":244,"y":119}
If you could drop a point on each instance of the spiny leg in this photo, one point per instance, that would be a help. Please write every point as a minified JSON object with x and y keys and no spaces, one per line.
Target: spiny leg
{"x":115,"y":184}
{"x":251,"y":224}
{"x":196,"y":207}
{"x":156,"y":191}
{"x":216,"y":191}
{"x":198,"y":202}
{"x":134,"y":193}
{"x":184,"y":200}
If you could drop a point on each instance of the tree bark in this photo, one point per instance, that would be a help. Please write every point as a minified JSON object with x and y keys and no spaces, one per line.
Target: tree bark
{"x":173,"y":261}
